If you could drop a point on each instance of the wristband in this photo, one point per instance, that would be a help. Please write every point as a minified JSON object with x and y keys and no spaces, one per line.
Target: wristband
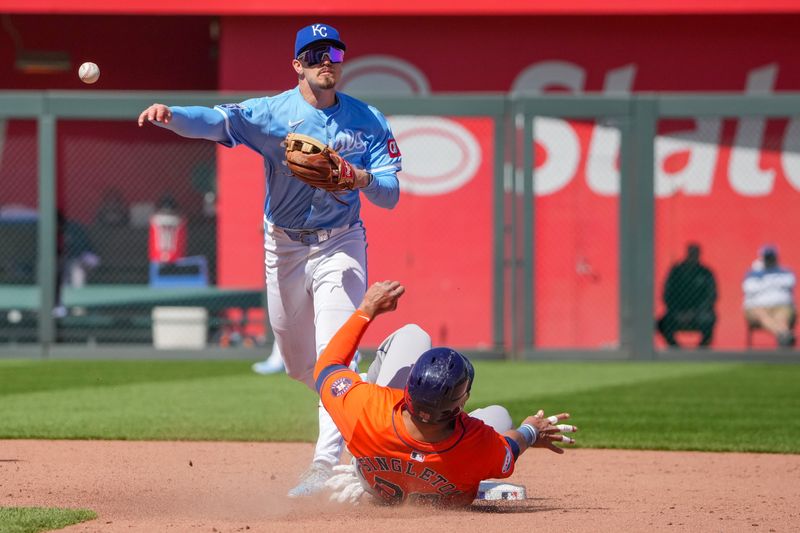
{"x":530,"y":433}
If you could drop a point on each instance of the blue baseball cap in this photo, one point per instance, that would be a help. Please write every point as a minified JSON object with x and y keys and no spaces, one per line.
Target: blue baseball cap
{"x":316,"y":33}
{"x":768,"y":249}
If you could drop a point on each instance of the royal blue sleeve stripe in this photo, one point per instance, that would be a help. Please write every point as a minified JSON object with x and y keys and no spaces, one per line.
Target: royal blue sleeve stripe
{"x":514,"y":447}
{"x":231,"y":141}
{"x":327,"y":371}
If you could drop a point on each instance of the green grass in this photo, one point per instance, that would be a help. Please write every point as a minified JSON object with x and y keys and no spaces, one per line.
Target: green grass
{"x":34,"y":519}
{"x":704,"y":407}
{"x":671,"y":406}
{"x":162,"y":400}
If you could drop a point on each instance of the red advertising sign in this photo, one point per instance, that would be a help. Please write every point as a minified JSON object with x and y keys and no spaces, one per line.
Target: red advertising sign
{"x":728,"y":184}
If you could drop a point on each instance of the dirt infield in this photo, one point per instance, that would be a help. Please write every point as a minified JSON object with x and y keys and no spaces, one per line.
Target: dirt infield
{"x":225,"y":487}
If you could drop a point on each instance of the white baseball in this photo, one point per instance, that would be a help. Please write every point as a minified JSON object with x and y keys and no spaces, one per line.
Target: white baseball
{"x":89,"y":72}
{"x":14,"y":316}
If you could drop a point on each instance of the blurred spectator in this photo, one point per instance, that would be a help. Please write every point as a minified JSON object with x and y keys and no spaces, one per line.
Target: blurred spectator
{"x":690,"y":293}
{"x":76,"y":258}
{"x":167,"y":232}
{"x":113,"y":211}
{"x":769,"y":297}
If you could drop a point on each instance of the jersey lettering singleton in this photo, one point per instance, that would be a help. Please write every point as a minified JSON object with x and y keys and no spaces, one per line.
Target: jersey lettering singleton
{"x":370,"y":466}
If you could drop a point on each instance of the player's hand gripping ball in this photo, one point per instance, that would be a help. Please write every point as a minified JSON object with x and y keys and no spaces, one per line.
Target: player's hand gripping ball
{"x":89,"y":72}
{"x":316,"y":164}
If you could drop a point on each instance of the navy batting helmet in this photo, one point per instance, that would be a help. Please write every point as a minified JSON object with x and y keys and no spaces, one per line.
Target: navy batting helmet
{"x":438,"y":385}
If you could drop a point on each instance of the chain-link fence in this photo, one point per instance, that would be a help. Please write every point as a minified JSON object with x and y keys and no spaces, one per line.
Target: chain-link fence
{"x":153,"y":248}
{"x":136,"y":209}
{"x":533,"y":227}
{"x":655,"y":224}
{"x":577,"y":234}
{"x":439,"y":237}
{"x":18,"y":228}
{"x":725,"y":195}
{"x":130,"y":226}
{"x":565,"y":209}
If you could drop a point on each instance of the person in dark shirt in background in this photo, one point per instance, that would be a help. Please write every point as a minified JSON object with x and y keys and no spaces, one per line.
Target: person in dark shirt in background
{"x":690,"y":293}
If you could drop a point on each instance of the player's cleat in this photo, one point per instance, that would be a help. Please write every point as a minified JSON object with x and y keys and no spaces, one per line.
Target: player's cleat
{"x":312,"y":481}
{"x":268,"y":367}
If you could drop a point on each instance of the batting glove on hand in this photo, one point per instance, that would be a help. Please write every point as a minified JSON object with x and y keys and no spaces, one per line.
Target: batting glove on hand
{"x":346,"y":485}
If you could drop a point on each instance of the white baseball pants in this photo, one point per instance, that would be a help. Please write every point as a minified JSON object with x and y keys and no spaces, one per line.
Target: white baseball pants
{"x":311,"y":292}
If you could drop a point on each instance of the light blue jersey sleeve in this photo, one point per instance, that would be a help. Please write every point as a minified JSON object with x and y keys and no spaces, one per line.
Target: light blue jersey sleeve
{"x":229,"y":124}
{"x":247,"y":123}
{"x":384,"y":162}
{"x":196,"y":122}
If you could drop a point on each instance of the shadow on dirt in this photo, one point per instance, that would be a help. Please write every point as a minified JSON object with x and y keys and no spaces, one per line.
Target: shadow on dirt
{"x":531,"y":505}
{"x":511,"y":506}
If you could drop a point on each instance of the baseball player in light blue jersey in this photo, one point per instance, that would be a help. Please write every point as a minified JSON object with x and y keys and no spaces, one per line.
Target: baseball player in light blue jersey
{"x":315,"y":243}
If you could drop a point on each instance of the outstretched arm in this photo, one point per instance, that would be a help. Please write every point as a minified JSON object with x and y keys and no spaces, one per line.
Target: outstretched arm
{"x":194,"y":122}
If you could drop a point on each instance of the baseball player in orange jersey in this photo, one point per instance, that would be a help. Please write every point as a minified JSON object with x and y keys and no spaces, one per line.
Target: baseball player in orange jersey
{"x":416,"y":443}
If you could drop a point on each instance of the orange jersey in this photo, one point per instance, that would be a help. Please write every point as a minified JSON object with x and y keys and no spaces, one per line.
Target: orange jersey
{"x":396,"y":466}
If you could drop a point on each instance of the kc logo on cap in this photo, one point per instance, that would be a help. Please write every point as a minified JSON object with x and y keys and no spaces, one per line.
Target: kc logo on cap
{"x":316,"y":33}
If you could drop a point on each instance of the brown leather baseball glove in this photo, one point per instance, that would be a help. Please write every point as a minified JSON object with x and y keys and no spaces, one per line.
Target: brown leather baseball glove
{"x":316,"y":164}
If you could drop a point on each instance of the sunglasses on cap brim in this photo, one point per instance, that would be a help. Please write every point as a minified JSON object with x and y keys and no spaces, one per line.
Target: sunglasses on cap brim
{"x":315,"y":56}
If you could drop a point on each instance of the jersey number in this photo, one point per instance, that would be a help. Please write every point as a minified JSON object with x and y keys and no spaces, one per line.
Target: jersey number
{"x":390,"y":492}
